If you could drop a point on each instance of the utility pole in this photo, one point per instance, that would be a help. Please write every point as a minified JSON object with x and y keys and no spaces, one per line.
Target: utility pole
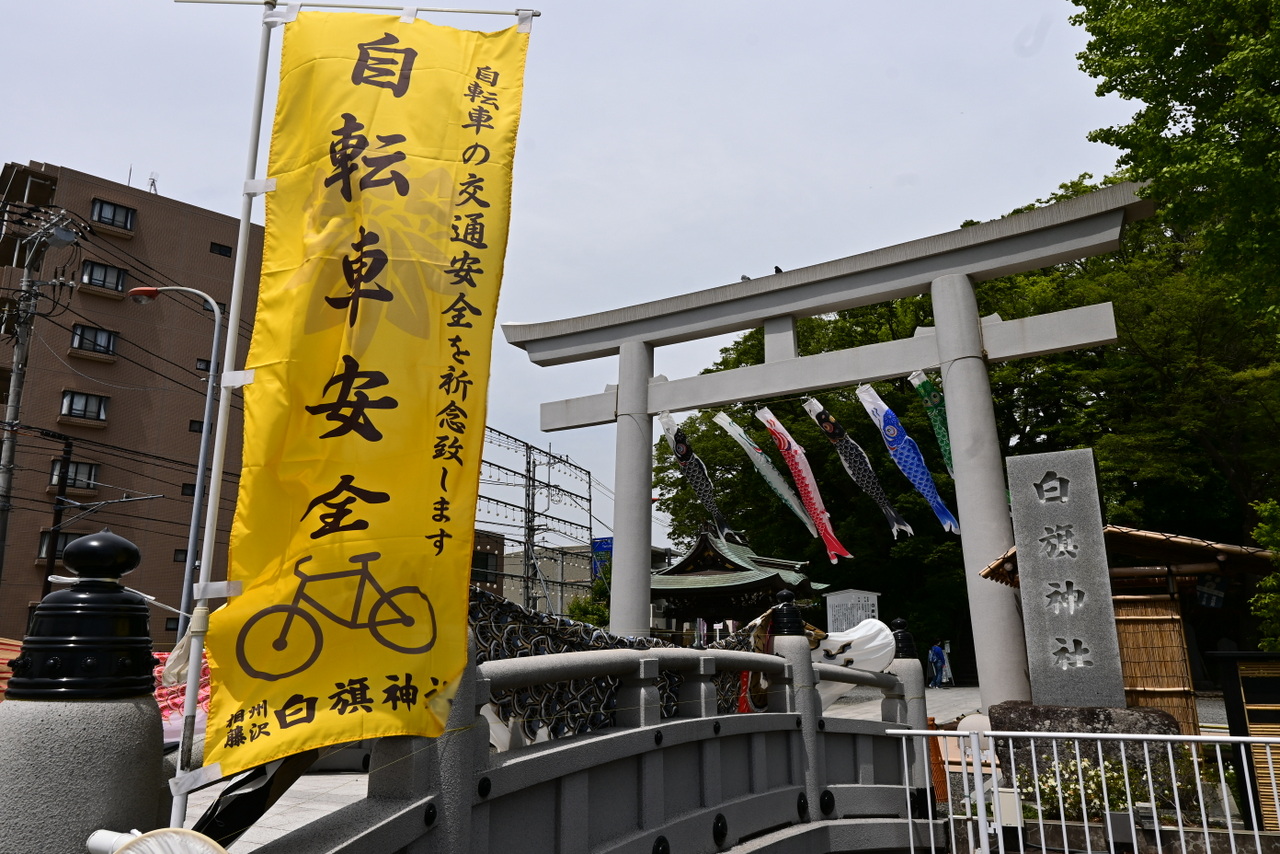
{"x":59,"y":504}
{"x":530,"y":559}
{"x":53,"y":232}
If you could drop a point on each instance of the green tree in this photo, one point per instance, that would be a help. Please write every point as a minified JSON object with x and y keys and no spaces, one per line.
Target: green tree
{"x":1207,"y":136}
{"x":592,"y":608}
{"x":1181,"y":411}
{"x":1266,"y":604}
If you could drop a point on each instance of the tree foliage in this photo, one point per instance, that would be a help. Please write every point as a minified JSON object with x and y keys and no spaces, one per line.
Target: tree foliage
{"x":1208,"y":75}
{"x":1266,"y":604}
{"x":592,"y":608}
{"x":1181,"y":412}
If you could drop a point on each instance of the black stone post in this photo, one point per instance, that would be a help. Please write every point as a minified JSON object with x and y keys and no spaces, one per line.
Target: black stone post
{"x":90,"y":641}
{"x":786,"y":616}
{"x":904,"y":642}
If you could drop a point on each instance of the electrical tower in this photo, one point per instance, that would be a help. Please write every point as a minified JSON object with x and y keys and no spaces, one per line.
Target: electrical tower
{"x":547,"y":507}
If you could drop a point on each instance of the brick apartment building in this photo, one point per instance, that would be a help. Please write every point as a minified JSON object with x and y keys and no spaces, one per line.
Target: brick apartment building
{"x":123,"y":383}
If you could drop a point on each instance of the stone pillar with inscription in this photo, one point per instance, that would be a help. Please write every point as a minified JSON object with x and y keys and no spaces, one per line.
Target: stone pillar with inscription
{"x":1073,"y":655}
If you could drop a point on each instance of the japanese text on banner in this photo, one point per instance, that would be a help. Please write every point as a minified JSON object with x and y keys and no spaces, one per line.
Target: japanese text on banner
{"x":392,"y":152}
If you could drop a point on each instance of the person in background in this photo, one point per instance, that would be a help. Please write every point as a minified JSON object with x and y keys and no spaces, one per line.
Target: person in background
{"x":937,"y":662}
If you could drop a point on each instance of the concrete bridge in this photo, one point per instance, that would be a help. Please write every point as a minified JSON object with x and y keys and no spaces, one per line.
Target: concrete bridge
{"x":784,"y":780}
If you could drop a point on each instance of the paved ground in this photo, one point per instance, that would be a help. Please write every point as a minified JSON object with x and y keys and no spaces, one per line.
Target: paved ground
{"x":316,"y":794}
{"x":312,"y":796}
{"x":944,"y":704}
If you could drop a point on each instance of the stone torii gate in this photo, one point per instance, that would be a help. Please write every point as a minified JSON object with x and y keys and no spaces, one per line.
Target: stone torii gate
{"x":961,"y":344}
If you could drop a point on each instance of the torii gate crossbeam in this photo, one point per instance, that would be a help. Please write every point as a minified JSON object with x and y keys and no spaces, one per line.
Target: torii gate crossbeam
{"x":946,"y":266}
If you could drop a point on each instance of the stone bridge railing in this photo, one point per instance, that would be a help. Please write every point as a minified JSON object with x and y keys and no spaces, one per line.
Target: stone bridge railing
{"x":786,"y":779}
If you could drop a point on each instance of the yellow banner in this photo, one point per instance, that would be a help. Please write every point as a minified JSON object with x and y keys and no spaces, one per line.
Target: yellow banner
{"x":364,"y":424}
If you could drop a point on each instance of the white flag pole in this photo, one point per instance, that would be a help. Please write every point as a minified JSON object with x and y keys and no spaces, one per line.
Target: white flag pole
{"x":200,"y":618}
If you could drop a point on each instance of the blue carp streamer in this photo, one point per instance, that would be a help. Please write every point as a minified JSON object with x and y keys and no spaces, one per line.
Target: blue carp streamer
{"x":906,"y":453}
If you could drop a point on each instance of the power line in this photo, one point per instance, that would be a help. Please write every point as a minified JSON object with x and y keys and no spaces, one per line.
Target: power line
{"x":54,"y":229}
{"x":103,"y":382}
{"x":128,"y":454}
{"x":157,"y":277}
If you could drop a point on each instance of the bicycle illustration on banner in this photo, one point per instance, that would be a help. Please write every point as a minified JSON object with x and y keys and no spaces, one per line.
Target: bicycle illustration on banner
{"x":284,"y":640}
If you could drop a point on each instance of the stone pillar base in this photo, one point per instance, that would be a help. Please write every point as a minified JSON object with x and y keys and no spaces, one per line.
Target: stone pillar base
{"x":75,"y":766}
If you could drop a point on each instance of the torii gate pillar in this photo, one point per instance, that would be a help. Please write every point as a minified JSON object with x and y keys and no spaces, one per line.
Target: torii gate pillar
{"x":981,"y":502}
{"x":632,"y":490}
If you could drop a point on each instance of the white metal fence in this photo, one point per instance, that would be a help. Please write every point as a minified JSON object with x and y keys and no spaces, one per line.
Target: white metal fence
{"x":1086,"y":793}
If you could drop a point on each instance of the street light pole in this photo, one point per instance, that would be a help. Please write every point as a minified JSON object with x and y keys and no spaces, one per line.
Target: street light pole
{"x":146,"y":295}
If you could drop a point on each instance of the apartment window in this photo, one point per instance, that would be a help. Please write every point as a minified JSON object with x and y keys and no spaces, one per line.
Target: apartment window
{"x":220,"y":249}
{"x":179,"y":555}
{"x":194,"y":426}
{"x":93,"y":339}
{"x":103,"y":276}
{"x":484,"y":568}
{"x":79,"y":475}
{"x":202,"y":364}
{"x":60,"y":543}
{"x":80,"y":405}
{"x":188,"y":489}
{"x":221,"y":306}
{"x":109,"y":213}
{"x":170,"y":624}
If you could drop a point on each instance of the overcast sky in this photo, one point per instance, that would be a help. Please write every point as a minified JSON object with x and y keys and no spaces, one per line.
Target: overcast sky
{"x":664,"y":147}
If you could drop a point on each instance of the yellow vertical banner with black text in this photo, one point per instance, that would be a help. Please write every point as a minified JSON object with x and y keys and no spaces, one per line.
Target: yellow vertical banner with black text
{"x":386,"y":229}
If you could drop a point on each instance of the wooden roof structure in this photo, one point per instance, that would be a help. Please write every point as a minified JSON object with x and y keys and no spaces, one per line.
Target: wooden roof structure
{"x":1154,"y":554}
{"x":720,"y":579}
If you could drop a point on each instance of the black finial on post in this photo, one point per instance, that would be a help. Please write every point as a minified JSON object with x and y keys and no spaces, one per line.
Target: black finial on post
{"x":904,"y":643}
{"x":786,"y":616}
{"x":90,"y":641}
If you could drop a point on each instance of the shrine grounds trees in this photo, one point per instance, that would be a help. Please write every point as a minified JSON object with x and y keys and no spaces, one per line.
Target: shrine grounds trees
{"x":592,"y":608}
{"x":1208,"y":141}
{"x":1208,"y":75}
{"x":1266,"y":605}
{"x":1183,"y":414}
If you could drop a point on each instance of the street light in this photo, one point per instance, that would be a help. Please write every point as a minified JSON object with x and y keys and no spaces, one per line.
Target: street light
{"x":143,"y":296}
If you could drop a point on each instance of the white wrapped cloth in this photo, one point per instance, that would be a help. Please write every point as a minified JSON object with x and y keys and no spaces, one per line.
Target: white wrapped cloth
{"x":867,"y":646}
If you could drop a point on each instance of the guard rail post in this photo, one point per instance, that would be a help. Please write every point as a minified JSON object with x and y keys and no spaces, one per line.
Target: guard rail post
{"x":638,"y":702}
{"x":906,"y":706}
{"x":80,"y":732}
{"x":697,"y":697}
{"x":790,"y":642}
{"x":441,"y":771}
